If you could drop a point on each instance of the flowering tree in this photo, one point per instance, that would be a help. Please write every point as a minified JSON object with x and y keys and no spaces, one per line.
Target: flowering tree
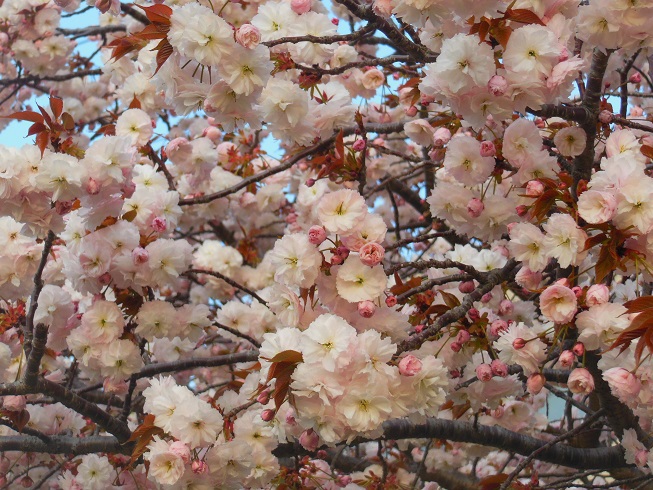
{"x":294,"y":244}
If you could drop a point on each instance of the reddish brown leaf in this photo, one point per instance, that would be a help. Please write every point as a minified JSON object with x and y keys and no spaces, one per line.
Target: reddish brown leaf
{"x":605,"y":263}
{"x":524,"y":16}
{"x":157,"y":13}
{"x":594,"y":240}
{"x":164,"y":52}
{"x":31,"y":116}
{"x":638,"y":305}
{"x":449,"y":299}
{"x":56,"y":104}
{"x":42,"y":140}
{"x":492,"y":482}
{"x":68,"y":121}
{"x":135,"y":103}
{"x":287,"y":356}
{"x":36,"y":128}
{"x":403,"y":287}
{"x":647,"y":151}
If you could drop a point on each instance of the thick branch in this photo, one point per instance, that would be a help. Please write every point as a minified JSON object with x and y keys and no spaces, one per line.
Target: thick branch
{"x":493,"y":278}
{"x":64,"y":445}
{"x":184,"y":364}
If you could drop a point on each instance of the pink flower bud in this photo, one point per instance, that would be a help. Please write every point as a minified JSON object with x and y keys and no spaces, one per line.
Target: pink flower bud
{"x":466,"y":287}
{"x":606,"y":117}
{"x":518,"y":343}
{"x":522,"y":210}
{"x":371,"y":254}
{"x":391,"y":301}
{"x":26,"y":482}
{"x":419,"y":328}
{"x":343,"y":480}
{"x":578,"y":349}
{"x":506,"y":307}
{"x":159,"y":224}
{"x":484,"y":372}
{"x":535,"y":383}
{"x":212,"y":133}
{"x":475,"y":207}
{"x":310,"y":182}
{"x":578,"y":291}
{"x":534,"y":188}
{"x":410,"y":366}
{"x":366,"y":309}
{"x":316,"y":235}
{"x":267,"y":415}
{"x":264,"y":397}
{"x":359,"y":145}
{"x":473,"y":314}
{"x":463,"y":336}
{"x":580,"y":381}
{"x":623,"y":384}
{"x":335,"y":21}
{"x":486,"y":298}
{"x":497,"y":85}
{"x":249,"y":36}
{"x":181,"y":449}
{"x":456,"y":346}
{"x":441,"y":137}
{"x":14,"y":403}
{"x":597,"y":294}
{"x":140,"y":256}
{"x":499,"y":368}
{"x":488,"y":149}
{"x":290,"y":418}
{"x":199,"y":467}
{"x":635,"y":78}
{"x":92,"y":186}
{"x":498,"y":327}
{"x":411,"y":111}
{"x":566,"y":358}
{"x":309,"y":440}
{"x":300,"y":6}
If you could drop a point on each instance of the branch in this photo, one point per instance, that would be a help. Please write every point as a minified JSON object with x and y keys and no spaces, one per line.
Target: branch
{"x":184,"y":364}
{"x":38,"y":286}
{"x":229,"y":281}
{"x":64,"y":445}
{"x":354,"y":36}
{"x":591,"y":101}
{"x":493,"y":278}
{"x":50,"y":78}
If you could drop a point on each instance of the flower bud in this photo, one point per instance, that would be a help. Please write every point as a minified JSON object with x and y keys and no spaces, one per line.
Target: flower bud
{"x":140,"y":256}
{"x":366,"y":309}
{"x":199,"y":467}
{"x":310,"y":182}
{"x":159,"y":224}
{"x":316,"y":234}
{"x":441,"y":137}
{"x":263,"y":397}
{"x":371,"y":254}
{"x":391,"y":301}
{"x":580,"y":381}
{"x":484,"y":372}
{"x":249,"y":36}
{"x":535,"y":383}
{"x":93,"y":186}
{"x":309,"y":440}
{"x":267,"y":414}
{"x":411,"y":111}
{"x":579,"y":349}
{"x":578,"y":291}
{"x":521,"y":210}
{"x":497,"y":327}
{"x":410,"y":366}
{"x":597,"y":294}
{"x":635,"y":78}
{"x":497,"y":85}
{"x":475,"y":207}
{"x":518,"y":343}
{"x":359,"y":145}
{"x":463,"y":336}
{"x":499,"y":368}
{"x":506,"y":307}
{"x":300,"y":6}
{"x":534,"y":188}
{"x":473,"y":314}
{"x":456,"y":346}
{"x":488,"y":149}
{"x":26,"y":482}
{"x":566,"y":358}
